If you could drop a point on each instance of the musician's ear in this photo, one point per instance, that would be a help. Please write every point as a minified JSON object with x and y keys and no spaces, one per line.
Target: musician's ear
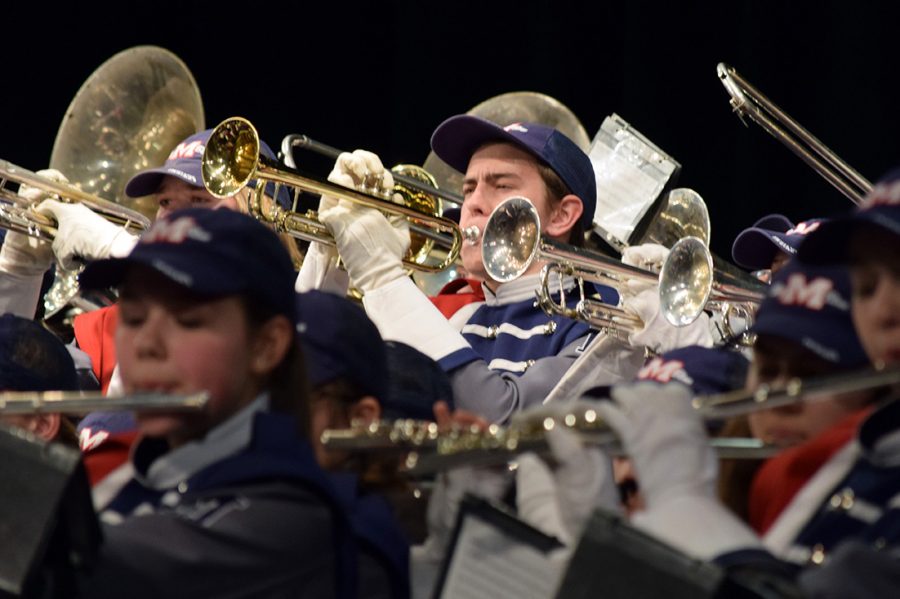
{"x":564,"y":214}
{"x":45,"y":426}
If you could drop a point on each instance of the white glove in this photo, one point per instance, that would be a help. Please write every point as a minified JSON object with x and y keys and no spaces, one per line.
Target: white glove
{"x":560,"y":500}
{"x":658,"y":334}
{"x":371,"y":246}
{"x":84,"y":235}
{"x":675,"y":467}
{"x":649,"y":256}
{"x":22,"y":254}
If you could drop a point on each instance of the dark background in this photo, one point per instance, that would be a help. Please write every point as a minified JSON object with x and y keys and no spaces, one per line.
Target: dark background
{"x":382,"y":75}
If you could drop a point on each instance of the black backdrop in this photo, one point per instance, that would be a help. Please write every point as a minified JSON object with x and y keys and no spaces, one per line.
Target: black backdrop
{"x":382,"y":75}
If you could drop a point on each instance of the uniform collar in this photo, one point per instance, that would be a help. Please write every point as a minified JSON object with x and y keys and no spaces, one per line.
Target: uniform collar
{"x":159,"y":469}
{"x":521,"y":289}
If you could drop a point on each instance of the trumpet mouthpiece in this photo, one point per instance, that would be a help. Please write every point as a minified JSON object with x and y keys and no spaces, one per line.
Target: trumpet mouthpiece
{"x":471,"y":234}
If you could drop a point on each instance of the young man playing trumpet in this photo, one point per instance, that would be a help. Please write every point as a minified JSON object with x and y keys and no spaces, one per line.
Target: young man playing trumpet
{"x":503,"y":354}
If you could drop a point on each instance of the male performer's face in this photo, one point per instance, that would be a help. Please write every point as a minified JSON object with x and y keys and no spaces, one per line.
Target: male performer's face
{"x":875,"y":273}
{"x":496,"y":172}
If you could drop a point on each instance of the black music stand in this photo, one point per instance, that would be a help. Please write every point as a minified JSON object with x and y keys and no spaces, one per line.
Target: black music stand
{"x":47,"y":520}
{"x":615,"y":560}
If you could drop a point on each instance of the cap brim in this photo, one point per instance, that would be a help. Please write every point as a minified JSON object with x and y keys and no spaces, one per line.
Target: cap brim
{"x":148,"y":182}
{"x":830,"y":243}
{"x":173,"y":265}
{"x":775,"y":222}
{"x":755,"y":248}
{"x":457,"y":138}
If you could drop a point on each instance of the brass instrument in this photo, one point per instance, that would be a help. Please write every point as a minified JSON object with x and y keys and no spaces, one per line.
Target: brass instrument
{"x":232,"y":160}
{"x":296,"y":140}
{"x":691,"y":281}
{"x":688,"y":282}
{"x":126,"y":117}
{"x":17,"y":214}
{"x":76,"y":402}
{"x":749,"y":101}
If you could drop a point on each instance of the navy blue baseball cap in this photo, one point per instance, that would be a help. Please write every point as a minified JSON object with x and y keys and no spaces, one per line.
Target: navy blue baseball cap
{"x":810,"y":306}
{"x":459,"y":137}
{"x":881,"y":208}
{"x":185,"y":162}
{"x":340,"y":342}
{"x":706,"y":370}
{"x":755,"y":247}
{"x":212,"y":253}
{"x":32,"y":358}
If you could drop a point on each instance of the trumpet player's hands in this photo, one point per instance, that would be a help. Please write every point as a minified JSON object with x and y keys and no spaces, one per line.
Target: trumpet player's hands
{"x":676,"y":469}
{"x":642,"y":298}
{"x":649,"y":256}
{"x":23,"y":254}
{"x":559,"y":496}
{"x":371,"y":245}
{"x":82,"y":234}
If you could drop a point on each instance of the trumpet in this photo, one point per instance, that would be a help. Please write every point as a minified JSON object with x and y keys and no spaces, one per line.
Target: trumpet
{"x":17,"y":213}
{"x":298,"y":140}
{"x":749,"y":101}
{"x":76,"y":402}
{"x":688,"y":282}
{"x":692,"y":281}
{"x":232,"y":159}
{"x":512,"y":242}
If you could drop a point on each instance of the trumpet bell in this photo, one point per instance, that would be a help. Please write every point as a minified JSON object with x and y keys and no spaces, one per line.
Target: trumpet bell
{"x":685,"y":281}
{"x":231,"y":157}
{"x":510,"y":239}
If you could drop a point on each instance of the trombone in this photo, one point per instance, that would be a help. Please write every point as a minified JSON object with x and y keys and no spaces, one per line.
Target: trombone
{"x":749,"y":101}
{"x":18,"y":214}
{"x":232,"y":159}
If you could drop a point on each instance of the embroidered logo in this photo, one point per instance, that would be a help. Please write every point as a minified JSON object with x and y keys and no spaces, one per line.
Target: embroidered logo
{"x":660,"y":370}
{"x":516,"y":127}
{"x":175,"y":231}
{"x":798,"y":291}
{"x":88,"y":440}
{"x":804,"y":228}
{"x":187,"y":150}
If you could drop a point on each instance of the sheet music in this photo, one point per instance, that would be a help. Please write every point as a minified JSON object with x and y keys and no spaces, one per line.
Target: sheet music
{"x":487,"y":563}
{"x":631,"y":173}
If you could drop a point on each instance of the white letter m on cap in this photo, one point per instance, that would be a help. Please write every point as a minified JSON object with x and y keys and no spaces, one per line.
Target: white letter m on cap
{"x":797,"y":291}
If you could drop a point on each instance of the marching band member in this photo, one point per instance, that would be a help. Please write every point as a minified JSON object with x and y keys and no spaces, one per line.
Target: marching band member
{"x":852,"y":495}
{"x":770,"y":243}
{"x":349,"y":382}
{"x":229,"y":500}
{"x":503,"y":354}
{"x":33,"y":359}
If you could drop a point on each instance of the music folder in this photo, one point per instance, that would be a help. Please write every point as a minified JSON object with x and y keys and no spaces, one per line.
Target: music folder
{"x":495,"y":554}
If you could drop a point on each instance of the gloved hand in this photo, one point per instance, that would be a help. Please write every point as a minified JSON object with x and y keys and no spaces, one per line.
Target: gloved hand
{"x":22,"y":254}
{"x":675,"y":467}
{"x":371,"y":245}
{"x":84,"y":235}
{"x":649,"y":256}
{"x":559,"y":500}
